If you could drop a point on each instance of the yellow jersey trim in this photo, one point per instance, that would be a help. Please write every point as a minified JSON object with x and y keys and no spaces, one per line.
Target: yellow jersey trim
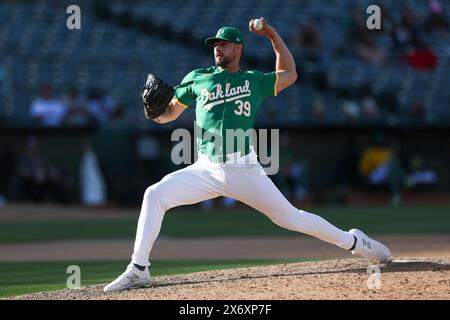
{"x":182,"y":104}
{"x":275,"y":87}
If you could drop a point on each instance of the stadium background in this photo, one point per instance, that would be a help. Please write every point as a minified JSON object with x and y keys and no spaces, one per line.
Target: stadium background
{"x":356,"y":88}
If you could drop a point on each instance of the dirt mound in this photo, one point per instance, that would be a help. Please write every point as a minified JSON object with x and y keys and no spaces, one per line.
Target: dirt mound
{"x":408,"y":278}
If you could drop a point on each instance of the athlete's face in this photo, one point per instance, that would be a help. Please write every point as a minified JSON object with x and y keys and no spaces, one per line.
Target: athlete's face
{"x":226,"y":52}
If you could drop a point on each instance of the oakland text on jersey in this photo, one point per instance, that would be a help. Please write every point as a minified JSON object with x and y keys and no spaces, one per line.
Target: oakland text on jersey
{"x":219,"y":97}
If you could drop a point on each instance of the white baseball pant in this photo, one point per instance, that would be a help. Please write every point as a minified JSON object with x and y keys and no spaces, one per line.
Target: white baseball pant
{"x":247,"y":183}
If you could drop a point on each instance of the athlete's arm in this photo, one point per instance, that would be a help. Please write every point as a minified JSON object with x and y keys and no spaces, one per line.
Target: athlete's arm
{"x":285,"y":64}
{"x":173,"y":111}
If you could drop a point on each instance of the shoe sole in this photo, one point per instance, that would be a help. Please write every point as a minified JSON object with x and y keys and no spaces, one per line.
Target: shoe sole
{"x":359,"y":233}
{"x":137,"y":286}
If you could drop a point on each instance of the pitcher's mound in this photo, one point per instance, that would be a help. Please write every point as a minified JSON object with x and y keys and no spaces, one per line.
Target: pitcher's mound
{"x":405,"y":278}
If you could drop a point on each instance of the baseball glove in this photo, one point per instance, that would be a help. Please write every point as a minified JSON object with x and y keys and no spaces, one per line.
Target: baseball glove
{"x":156,"y":96}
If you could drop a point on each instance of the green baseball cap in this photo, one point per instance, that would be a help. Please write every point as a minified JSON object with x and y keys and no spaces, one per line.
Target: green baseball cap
{"x":227,"y":34}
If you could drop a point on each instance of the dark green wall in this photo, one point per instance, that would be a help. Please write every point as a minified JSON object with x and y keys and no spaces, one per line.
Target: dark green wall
{"x":332,"y":154}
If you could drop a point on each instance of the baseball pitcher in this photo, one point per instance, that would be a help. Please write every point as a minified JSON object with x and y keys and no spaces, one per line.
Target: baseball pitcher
{"x":226,"y":97}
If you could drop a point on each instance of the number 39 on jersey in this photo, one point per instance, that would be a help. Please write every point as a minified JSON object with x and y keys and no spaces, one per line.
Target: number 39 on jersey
{"x":243,"y":108}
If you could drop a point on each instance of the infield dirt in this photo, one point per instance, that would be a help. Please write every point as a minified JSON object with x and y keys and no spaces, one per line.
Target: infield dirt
{"x":406,"y":278}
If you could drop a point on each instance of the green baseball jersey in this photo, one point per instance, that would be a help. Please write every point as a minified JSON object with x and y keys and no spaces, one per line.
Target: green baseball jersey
{"x":226,"y":107}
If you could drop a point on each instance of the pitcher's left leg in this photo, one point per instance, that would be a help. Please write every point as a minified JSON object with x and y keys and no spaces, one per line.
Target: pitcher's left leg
{"x":254,"y":188}
{"x":258,"y":191}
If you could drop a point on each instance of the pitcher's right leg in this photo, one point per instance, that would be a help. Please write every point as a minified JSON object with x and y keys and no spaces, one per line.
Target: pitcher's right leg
{"x":186,"y":186}
{"x":190,"y":185}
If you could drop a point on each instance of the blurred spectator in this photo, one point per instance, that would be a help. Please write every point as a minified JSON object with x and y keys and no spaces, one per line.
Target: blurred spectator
{"x":118,"y":116}
{"x":406,"y":32}
{"x":223,"y":201}
{"x":418,"y":111}
{"x":364,"y":42}
{"x":47,"y":111}
{"x":419,"y":176}
{"x":387,"y":21}
{"x":310,"y":54}
{"x":292,"y":179}
{"x":406,"y":36}
{"x":3,"y":200}
{"x":380,"y":166}
{"x":436,"y":21}
{"x":148,"y":164}
{"x":309,"y":42}
{"x":92,"y":183}
{"x":351,"y":110}
{"x":370,"y":108}
{"x":422,"y":57}
{"x":384,"y":35}
{"x":37,"y":179}
{"x":318,"y":109}
{"x":309,"y":37}
{"x":77,"y":112}
{"x":102,"y":107}
{"x":409,"y":19}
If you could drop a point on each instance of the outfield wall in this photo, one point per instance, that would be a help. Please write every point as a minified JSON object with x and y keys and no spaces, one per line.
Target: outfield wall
{"x":330,"y":154}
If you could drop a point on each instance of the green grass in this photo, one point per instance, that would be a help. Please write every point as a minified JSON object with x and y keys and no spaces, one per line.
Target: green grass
{"x":86,"y":228}
{"x":29,"y":277}
{"x":192,"y":222}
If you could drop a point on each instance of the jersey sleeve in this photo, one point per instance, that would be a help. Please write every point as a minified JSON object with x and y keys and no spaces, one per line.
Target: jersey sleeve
{"x":267,"y":84}
{"x":184,"y":92}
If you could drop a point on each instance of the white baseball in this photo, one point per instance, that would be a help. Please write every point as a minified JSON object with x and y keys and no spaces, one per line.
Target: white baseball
{"x":257,"y":24}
